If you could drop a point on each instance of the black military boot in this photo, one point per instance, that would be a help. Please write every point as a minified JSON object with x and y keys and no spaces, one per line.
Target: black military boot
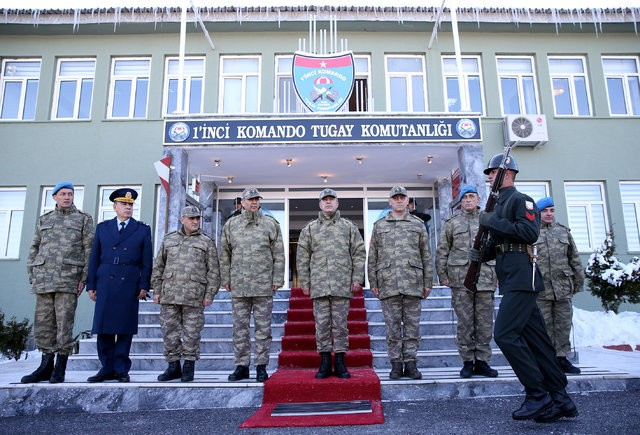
{"x":341,"y":368}
{"x":172,"y":372}
{"x":42,"y":373}
{"x":240,"y":373}
{"x":483,"y":369}
{"x":325,"y":366}
{"x":187,"y":370}
{"x":396,"y":370}
{"x":467,"y":369}
{"x":411,"y":371}
{"x":59,"y":370}
{"x":563,"y":406}
{"x":536,"y":402}
{"x":261,"y":373}
{"x":567,"y":367}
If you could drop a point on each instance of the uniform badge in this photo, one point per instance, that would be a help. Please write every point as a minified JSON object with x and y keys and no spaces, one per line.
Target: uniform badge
{"x":528,"y":205}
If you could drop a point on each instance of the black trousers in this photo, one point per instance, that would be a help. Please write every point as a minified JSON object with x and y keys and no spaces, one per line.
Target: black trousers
{"x":113,"y":352}
{"x":521,"y":334}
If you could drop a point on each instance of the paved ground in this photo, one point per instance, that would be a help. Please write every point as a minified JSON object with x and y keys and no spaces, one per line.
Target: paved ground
{"x":600,"y":413}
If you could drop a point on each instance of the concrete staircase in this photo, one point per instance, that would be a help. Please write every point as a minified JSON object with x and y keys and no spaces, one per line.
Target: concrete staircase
{"x":437,"y":349}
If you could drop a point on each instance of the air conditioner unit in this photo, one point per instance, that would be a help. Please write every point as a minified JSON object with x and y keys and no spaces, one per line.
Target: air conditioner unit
{"x":525,"y":130}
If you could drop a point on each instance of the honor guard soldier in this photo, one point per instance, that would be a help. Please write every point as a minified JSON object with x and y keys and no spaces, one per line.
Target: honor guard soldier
{"x":474,"y":310}
{"x":251,"y":269}
{"x":563,"y":276}
{"x":119,"y":276}
{"x":185,"y":279}
{"x":57,"y":266}
{"x":514,"y":226}
{"x":330,"y":264}
{"x":400,"y":275}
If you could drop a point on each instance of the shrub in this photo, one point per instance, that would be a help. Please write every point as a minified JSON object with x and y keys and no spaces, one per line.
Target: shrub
{"x":13,"y":337}
{"x":611,"y":280}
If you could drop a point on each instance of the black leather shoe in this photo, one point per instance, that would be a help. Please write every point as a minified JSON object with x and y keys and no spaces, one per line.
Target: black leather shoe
{"x":101,"y":377}
{"x":340,"y":367}
{"x":123,"y":377}
{"x":261,"y":373}
{"x":43,"y":372}
{"x":325,"y":366}
{"x":567,"y":367}
{"x":58,"y":372}
{"x":173,"y":371}
{"x":396,"y":370}
{"x":240,"y":373}
{"x":188,"y":370}
{"x":411,"y":371}
{"x":481,"y":368}
{"x":563,"y":406}
{"x":467,"y":370}
{"x":536,"y":403}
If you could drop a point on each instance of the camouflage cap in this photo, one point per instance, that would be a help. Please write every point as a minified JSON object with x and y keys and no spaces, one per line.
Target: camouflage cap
{"x":250,"y":192}
{"x":397,"y":190}
{"x":328,"y":192}
{"x":190,"y":211}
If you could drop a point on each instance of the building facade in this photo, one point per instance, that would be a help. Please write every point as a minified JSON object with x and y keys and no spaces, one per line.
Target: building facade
{"x":91,"y":96}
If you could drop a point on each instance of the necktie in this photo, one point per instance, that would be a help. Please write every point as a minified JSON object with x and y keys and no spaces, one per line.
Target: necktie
{"x":121,"y":227}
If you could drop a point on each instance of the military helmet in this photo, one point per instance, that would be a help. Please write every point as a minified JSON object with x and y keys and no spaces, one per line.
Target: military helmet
{"x":497,"y":159}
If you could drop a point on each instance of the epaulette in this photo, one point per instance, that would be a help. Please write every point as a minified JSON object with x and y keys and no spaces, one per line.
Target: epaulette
{"x":563,"y":226}
{"x":416,"y":218}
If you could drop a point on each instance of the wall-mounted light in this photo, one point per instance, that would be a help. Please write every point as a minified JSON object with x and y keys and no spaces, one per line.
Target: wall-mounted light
{"x":429,"y":160}
{"x":216,"y":162}
{"x":419,"y":175}
{"x":289,"y":161}
{"x":324,"y":178}
{"x":229,"y":180}
{"x":359,"y":159}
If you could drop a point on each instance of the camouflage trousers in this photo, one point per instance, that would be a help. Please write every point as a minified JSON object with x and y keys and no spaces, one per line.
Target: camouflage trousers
{"x":557,"y":318}
{"x":262,"y":307}
{"x":475,"y":323}
{"x":402,"y":319}
{"x":332,"y":333}
{"x":53,"y":322}
{"x":181,"y":329}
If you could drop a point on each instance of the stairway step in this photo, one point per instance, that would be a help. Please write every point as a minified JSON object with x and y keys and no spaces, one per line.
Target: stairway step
{"x":307,"y":303}
{"x":300,"y":315}
{"x":311,"y":359}
{"x":309,"y":327}
{"x":308,"y":342}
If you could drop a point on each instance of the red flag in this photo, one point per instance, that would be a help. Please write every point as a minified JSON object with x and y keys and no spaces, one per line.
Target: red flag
{"x":163,"y":169}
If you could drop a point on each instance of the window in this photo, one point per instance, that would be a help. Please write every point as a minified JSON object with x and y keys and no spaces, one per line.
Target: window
{"x":74,"y":89}
{"x":240,"y":84}
{"x":518,"y":90}
{"x":630,"y":194}
{"x":623,"y":85}
{"x":129,"y":88}
{"x":105,"y":209}
{"x":192,"y":85}
{"x":19,"y":87}
{"x":406,"y":83}
{"x":49,"y":204}
{"x":359,"y":99}
{"x":587,"y":217}
{"x":11,"y":214}
{"x":536,"y":190}
{"x":471,"y":86}
{"x":569,"y":86}
{"x":287,"y":100}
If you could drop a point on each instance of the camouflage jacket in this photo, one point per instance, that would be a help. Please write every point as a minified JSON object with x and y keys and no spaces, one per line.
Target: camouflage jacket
{"x":59,"y":256}
{"x":330,"y":256}
{"x":559,"y":262}
{"x":186,"y":269}
{"x":452,"y":255}
{"x":252,"y":255}
{"x":399,"y":257}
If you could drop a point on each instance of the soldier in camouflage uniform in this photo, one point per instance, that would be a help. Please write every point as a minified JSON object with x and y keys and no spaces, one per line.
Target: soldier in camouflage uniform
{"x":57,"y":267}
{"x":251,"y":269}
{"x":185,"y":279}
{"x":563,"y":276}
{"x":400,"y":275}
{"x":330,"y":264}
{"x":473,"y":309}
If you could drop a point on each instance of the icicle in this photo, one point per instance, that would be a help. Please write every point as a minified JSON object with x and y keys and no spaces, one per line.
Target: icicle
{"x":76,"y":20}
{"x":635,"y":21}
{"x":554,"y":17}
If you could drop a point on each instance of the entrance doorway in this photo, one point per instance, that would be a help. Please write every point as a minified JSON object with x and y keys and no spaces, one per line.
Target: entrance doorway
{"x":301,"y":211}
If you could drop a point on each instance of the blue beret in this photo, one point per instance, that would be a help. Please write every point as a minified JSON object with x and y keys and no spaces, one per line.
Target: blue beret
{"x":468,"y":188}
{"x":545,"y":202}
{"x":62,"y":185}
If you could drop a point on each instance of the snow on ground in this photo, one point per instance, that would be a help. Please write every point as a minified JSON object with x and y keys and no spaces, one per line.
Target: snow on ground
{"x":599,"y":328}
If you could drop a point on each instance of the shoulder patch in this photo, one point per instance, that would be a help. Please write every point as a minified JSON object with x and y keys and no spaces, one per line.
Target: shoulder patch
{"x":528,"y":205}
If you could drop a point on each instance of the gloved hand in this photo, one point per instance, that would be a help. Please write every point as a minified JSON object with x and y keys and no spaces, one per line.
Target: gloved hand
{"x":485,"y":217}
{"x":475,"y":255}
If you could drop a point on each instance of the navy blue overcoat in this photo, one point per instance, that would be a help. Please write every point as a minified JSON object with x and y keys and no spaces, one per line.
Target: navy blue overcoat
{"x":119,"y":267}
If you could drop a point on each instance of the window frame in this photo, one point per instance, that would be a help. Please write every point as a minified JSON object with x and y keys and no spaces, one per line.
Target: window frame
{"x":243,"y":77}
{"x":407,"y":75}
{"x":632,"y":246}
{"x":625,"y":86}
{"x":278,"y":76}
{"x":519,"y":78}
{"x":589,"y":214}
{"x":6,"y":238}
{"x":102,"y":209}
{"x":572,"y":87}
{"x":466,"y":76}
{"x":24,"y":81}
{"x":133,"y":79}
{"x":79,"y":81}
{"x":188,"y":80}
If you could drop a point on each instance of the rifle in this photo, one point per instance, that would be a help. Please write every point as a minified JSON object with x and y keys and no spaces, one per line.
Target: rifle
{"x":473,"y":273}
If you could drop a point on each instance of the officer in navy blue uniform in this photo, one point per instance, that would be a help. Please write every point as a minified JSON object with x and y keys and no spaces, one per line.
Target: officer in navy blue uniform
{"x":519,"y":331}
{"x":119,"y":276}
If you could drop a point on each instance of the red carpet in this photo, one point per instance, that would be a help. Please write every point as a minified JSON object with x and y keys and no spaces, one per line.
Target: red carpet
{"x":331,"y":401}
